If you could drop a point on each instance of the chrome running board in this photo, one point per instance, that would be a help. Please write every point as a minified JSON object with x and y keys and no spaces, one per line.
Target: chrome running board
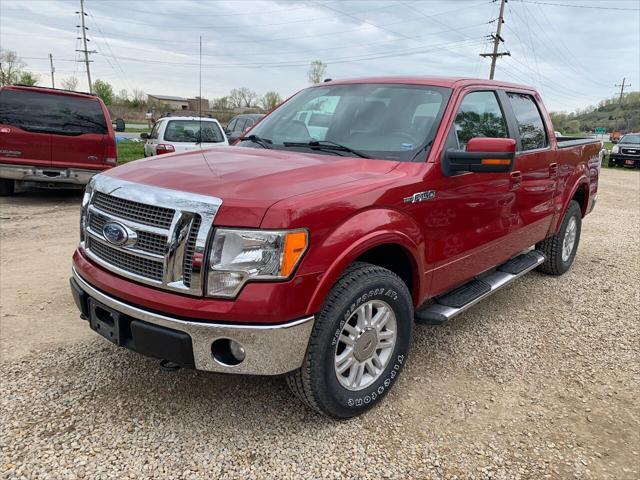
{"x":450,"y":304}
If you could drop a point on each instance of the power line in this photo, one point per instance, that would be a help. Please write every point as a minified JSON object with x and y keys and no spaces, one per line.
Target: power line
{"x":496,"y":42}
{"x":579,"y":6}
{"x":305,"y":62}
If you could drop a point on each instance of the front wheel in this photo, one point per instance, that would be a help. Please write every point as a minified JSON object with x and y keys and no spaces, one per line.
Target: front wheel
{"x":358,"y":345}
{"x":561,"y":248}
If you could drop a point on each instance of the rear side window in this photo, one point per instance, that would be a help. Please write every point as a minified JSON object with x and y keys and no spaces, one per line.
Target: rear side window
{"x":189,"y":131}
{"x":51,"y":113}
{"x":530,"y":124}
{"x":479,"y":115}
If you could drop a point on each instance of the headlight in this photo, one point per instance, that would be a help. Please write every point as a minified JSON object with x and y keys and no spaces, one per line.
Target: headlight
{"x":615,"y":149}
{"x":85,"y":203}
{"x":238,"y":256}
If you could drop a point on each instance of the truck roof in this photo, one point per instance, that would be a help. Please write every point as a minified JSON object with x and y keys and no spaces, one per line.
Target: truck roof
{"x":450,"y":82}
{"x":57,"y":91}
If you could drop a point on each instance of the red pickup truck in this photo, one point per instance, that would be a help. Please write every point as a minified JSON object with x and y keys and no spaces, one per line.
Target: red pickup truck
{"x":52,"y":138}
{"x":353,"y":211}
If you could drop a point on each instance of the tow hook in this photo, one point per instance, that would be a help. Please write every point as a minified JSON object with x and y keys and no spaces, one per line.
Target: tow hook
{"x":168,"y":366}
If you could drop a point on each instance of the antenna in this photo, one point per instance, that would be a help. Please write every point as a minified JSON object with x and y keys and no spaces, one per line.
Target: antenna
{"x":200,"y":92}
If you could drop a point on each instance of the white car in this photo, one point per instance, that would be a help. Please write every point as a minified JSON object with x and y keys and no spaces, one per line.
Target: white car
{"x":182,"y":134}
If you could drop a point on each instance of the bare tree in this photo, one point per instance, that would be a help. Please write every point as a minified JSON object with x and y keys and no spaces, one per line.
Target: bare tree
{"x":11,"y":67}
{"x":242,"y":97}
{"x":138,"y":97}
{"x":122,"y":97}
{"x":270,"y":100}
{"x":70,"y":83}
{"x":316,"y":72}
{"x":222,"y":103}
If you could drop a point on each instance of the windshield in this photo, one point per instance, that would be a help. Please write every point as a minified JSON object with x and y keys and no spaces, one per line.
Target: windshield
{"x":390,"y":122}
{"x":635,"y":139}
{"x":51,"y":113}
{"x":189,"y":131}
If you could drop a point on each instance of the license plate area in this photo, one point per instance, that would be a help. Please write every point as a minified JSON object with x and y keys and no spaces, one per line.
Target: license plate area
{"x":104,"y":321}
{"x":629,"y":162}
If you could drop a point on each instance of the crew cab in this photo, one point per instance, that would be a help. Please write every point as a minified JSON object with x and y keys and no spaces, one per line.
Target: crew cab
{"x":183,"y":134}
{"x":315,"y":255}
{"x":52,"y":138}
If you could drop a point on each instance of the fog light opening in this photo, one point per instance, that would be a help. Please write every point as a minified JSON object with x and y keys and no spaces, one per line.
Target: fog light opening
{"x":227,"y":352}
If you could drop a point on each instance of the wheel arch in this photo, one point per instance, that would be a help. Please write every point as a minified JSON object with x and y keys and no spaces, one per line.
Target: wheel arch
{"x":391,"y":247}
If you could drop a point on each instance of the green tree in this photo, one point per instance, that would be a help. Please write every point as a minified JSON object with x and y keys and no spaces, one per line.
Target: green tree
{"x":270,"y":100}
{"x":316,"y":72}
{"x":28,"y":78}
{"x":103,"y":90}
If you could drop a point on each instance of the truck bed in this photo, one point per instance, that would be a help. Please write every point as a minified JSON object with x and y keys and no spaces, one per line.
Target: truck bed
{"x":566,"y":142}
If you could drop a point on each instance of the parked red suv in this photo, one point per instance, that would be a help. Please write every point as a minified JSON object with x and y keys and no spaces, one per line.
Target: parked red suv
{"x":52,"y":138}
{"x":314,"y":247}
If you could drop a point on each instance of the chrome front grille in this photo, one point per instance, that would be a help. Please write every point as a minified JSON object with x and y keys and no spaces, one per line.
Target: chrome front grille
{"x":630,"y":151}
{"x":165,"y":232}
{"x":136,"y":211}
{"x":144,"y":267}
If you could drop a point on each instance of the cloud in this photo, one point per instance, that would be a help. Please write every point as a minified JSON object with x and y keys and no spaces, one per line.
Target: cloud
{"x":574,"y":56}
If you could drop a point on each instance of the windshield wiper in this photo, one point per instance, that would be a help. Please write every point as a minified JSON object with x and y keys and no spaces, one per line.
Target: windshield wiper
{"x":325,"y":145}
{"x":263,"y":142}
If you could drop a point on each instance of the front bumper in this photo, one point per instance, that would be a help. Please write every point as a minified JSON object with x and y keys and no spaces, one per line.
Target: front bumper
{"x":270,"y":349}
{"x":624,"y":160}
{"x":30,"y":173}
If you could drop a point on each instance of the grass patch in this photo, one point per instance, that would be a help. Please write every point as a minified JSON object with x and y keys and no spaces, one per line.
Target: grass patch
{"x":128,"y":151}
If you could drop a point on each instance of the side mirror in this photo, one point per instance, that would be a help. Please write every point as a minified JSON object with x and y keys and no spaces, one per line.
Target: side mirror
{"x":481,"y":155}
{"x":144,"y":136}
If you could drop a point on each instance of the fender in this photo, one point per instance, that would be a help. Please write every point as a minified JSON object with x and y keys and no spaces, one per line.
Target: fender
{"x":580,"y":181}
{"x":347,"y":242}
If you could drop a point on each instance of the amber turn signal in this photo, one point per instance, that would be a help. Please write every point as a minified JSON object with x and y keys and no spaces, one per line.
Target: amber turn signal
{"x":495,"y":161}
{"x":295,"y":244}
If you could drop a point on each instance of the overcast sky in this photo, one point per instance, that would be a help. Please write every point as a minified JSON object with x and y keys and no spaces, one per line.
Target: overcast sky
{"x":573,"y":51}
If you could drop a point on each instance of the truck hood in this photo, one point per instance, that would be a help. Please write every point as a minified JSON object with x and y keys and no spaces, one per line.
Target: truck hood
{"x":249,"y":180}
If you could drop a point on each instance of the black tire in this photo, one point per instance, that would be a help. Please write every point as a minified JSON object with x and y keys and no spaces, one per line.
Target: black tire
{"x":552,"y":246}
{"x":316,"y":382}
{"x":7,"y":187}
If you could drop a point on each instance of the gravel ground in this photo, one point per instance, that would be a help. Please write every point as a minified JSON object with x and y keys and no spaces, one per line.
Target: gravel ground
{"x":540,"y":381}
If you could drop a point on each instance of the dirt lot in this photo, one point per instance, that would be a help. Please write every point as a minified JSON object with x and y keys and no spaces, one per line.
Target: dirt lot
{"x":540,"y":381}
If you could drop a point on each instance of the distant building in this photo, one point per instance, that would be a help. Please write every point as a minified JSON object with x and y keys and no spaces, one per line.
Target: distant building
{"x":198,"y":104}
{"x":175,"y":103}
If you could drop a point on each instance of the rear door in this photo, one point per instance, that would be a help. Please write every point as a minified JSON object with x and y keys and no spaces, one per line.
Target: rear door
{"x":24,"y":136}
{"x":535,"y":172}
{"x":83,"y":136}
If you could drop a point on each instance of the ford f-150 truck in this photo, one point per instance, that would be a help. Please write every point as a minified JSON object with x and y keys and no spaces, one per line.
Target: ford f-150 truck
{"x":52,"y":138}
{"x":314,"y":247}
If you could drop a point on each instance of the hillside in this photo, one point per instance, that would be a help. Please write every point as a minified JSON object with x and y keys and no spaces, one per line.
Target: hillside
{"x":610,"y":114}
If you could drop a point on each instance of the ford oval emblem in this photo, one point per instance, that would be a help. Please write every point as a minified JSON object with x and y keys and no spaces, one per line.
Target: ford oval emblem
{"x":115,"y":233}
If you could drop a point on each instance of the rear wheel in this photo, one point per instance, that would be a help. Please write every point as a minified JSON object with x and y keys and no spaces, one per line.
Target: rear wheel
{"x":561,"y":248}
{"x":7,"y":187}
{"x":358,"y":345}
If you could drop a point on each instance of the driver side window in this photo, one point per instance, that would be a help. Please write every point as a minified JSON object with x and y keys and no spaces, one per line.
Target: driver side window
{"x":479,"y":115}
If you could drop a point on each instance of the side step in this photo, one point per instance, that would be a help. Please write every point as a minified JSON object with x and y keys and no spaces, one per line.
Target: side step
{"x":452,"y":303}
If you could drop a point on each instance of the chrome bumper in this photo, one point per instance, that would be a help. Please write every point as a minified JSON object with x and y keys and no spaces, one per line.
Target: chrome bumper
{"x":270,"y":349}
{"x":29,"y":173}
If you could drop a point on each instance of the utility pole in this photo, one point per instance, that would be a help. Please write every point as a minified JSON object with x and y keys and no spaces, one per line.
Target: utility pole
{"x":84,"y":42}
{"x":622,"y":85}
{"x":496,"y":42}
{"x":53,"y":82}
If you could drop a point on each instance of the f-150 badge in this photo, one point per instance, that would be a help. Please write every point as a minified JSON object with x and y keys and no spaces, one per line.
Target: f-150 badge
{"x":421,"y":196}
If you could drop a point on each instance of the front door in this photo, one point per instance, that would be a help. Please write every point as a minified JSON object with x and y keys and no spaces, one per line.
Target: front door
{"x":472,"y":213}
